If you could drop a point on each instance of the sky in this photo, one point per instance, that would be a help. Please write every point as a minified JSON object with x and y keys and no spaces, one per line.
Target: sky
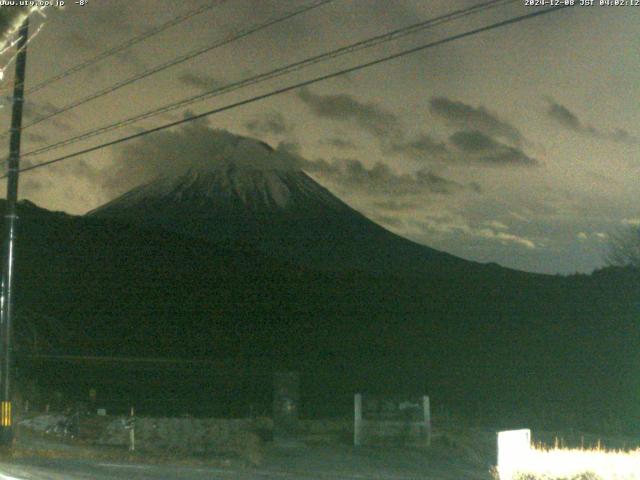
{"x":517,"y":146}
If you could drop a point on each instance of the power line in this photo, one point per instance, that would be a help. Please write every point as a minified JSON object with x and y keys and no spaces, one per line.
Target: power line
{"x":278,"y":72}
{"x":244,"y":82}
{"x":123,"y":46}
{"x":183,"y":58}
{"x":299,"y":85}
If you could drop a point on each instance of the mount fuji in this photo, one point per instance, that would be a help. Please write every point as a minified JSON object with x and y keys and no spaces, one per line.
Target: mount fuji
{"x":254,"y":260}
{"x":278,"y":211}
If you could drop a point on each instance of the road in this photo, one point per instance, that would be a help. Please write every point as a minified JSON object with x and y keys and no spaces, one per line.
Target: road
{"x":77,"y":470}
{"x":304,"y":464}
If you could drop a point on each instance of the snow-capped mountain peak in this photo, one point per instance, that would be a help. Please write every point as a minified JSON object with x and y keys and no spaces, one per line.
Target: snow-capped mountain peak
{"x":253,"y":195}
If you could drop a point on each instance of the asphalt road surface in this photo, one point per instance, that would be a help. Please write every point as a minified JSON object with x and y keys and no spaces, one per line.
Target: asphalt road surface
{"x":308,"y":463}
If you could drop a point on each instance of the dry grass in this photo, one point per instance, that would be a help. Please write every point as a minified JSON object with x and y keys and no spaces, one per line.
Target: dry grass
{"x":542,"y":463}
{"x":215,"y":445}
{"x":242,"y":449}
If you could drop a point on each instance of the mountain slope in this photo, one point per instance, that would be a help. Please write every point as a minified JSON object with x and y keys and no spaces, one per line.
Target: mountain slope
{"x":244,"y":261}
{"x":282,"y":213}
{"x":118,"y":289}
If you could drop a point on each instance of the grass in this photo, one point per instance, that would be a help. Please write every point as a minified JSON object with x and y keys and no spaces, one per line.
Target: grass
{"x":244,"y":449}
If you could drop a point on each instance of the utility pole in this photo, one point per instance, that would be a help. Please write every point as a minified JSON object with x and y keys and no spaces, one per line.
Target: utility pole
{"x":10,"y":220}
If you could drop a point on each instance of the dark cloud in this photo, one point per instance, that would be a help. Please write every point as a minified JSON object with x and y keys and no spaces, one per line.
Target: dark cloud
{"x":31,"y":185}
{"x":568,"y":119}
{"x":36,"y":138}
{"x":473,"y":142}
{"x":464,"y":147}
{"x":623,"y":136}
{"x":341,"y":143}
{"x":395,"y":205}
{"x":381,"y":179}
{"x":424,"y":146}
{"x":342,"y":107}
{"x":96,"y":31}
{"x":268,"y":123}
{"x":82,"y":169}
{"x":564,"y":116}
{"x":289,"y":147}
{"x":83,"y":166}
{"x":476,"y":187}
{"x":36,"y":110}
{"x":79,"y":41}
{"x":477,"y":148}
{"x":474,"y":145}
{"x":200,"y":80}
{"x":436,"y":183}
{"x":24,"y":163}
{"x":468,"y":117}
{"x":324,"y":167}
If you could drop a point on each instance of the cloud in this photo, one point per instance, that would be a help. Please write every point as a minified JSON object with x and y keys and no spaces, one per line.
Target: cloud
{"x":200,"y":80}
{"x":83,"y":168}
{"x":289,"y":147}
{"x":484,"y":139}
{"x":453,"y":225}
{"x":631,"y":222}
{"x":36,"y":138}
{"x":477,"y":148}
{"x":436,"y":183}
{"x":597,"y":236}
{"x":387,"y":220}
{"x":464,"y":147}
{"x":476,"y":187}
{"x":341,"y":143}
{"x":381,"y":179}
{"x":91,"y":32}
{"x":423,"y":146}
{"x":465,"y":116}
{"x":35,"y":110}
{"x":393,"y":205}
{"x":342,"y":107}
{"x":195,"y":146}
{"x":32,"y":185}
{"x":268,"y":123}
{"x":569,"y":120}
{"x":564,"y":116}
{"x":496,"y":224}
{"x":474,"y":145}
{"x":623,"y":136}
{"x":505,"y":237}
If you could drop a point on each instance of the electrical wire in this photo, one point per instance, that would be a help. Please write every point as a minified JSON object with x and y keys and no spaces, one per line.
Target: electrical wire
{"x":278,"y":72}
{"x":295,"y":86}
{"x":123,"y":46}
{"x":181,"y":59}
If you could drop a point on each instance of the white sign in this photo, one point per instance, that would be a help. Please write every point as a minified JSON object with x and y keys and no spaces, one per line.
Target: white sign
{"x":513,"y":447}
